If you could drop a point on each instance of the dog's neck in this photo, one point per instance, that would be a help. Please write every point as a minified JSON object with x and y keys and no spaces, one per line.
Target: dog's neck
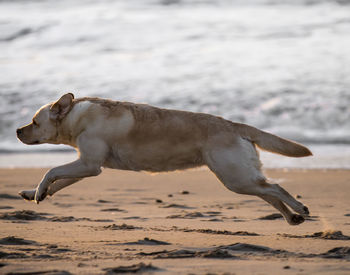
{"x":72,"y":125}
{"x":65,"y":134}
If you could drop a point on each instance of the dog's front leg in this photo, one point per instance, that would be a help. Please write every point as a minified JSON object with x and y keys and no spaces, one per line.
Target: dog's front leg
{"x":75,"y":169}
{"x":52,"y":189}
{"x":60,"y":184}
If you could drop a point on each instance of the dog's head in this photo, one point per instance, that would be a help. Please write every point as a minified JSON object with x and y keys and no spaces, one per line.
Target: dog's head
{"x":43,"y":128}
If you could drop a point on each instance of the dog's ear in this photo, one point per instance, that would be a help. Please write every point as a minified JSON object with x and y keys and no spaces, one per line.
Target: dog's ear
{"x":61,"y":107}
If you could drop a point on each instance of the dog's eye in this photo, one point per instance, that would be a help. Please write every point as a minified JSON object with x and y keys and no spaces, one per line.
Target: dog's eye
{"x":35,"y":123}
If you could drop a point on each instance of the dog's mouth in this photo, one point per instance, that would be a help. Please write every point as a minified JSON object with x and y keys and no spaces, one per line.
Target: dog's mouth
{"x":30,"y":142}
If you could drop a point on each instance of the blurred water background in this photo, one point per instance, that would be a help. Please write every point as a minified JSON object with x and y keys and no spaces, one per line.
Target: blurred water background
{"x":280,"y":65}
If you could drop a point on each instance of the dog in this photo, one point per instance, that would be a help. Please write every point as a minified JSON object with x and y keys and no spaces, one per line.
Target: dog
{"x":139,"y":137}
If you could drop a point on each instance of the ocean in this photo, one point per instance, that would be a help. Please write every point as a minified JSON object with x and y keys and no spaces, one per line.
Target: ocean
{"x":282,"y":66}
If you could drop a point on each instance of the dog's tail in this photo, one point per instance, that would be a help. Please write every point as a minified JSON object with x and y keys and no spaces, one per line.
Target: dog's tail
{"x":272,"y":143}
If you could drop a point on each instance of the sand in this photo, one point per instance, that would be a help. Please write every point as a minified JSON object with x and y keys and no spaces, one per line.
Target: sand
{"x":173,"y":223}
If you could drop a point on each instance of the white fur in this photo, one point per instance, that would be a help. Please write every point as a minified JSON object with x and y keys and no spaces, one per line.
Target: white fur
{"x":77,"y":111}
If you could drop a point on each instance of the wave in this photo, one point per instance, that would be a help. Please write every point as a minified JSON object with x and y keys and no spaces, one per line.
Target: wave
{"x":16,"y":35}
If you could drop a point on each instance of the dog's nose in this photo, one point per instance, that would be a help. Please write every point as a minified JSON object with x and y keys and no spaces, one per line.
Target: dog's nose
{"x":19,"y":131}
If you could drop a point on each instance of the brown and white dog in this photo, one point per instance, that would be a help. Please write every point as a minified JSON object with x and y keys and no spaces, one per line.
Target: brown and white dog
{"x":138,"y":137}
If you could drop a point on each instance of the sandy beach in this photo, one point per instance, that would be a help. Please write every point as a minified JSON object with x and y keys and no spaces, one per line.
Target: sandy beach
{"x":173,"y":223}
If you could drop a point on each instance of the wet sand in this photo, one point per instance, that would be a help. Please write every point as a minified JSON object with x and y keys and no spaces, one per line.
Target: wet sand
{"x":180,"y":222}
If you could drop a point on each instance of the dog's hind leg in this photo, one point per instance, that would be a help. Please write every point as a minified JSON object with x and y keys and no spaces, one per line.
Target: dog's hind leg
{"x":278,"y":192}
{"x":291,"y":218}
{"x":238,"y":168}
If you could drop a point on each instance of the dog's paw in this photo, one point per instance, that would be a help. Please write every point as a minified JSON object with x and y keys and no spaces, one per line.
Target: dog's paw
{"x":40,"y":195}
{"x":296,"y":219}
{"x":302,"y":210}
{"x":306,"y":211}
{"x":27,"y":194}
